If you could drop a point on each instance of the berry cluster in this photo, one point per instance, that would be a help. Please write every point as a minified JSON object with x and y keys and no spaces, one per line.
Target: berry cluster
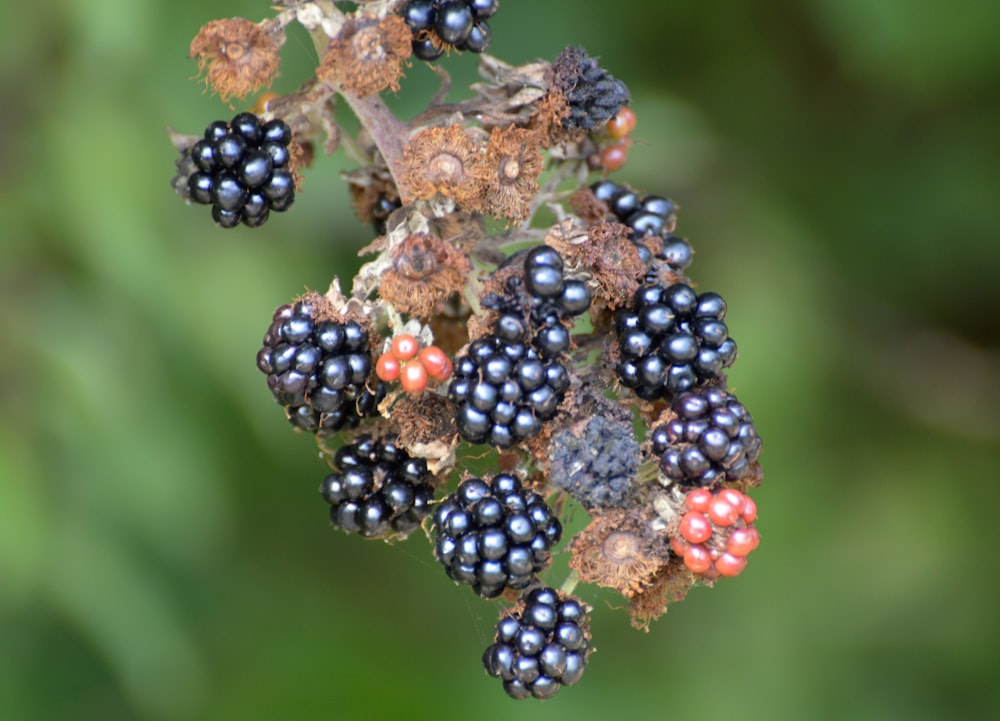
{"x":319,"y":370}
{"x":511,"y":380}
{"x":494,"y":535}
{"x":647,"y":215}
{"x":439,"y":24}
{"x":569,"y":338}
{"x":709,"y":438}
{"x":541,"y":646}
{"x":716,"y":533}
{"x":243,"y":170}
{"x":412,"y":365}
{"x":377,"y":489}
{"x":671,"y":340}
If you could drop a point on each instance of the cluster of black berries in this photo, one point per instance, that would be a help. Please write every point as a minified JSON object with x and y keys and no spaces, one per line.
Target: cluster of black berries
{"x":242,"y":170}
{"x":437,"y":24}
{"x":377,"y":489}
{"x":597,"y":463}
{"x":541,"y":648}
{"x":594,"y":96}
{"x":494,"y":535}
{"x":671,"y":340}
{"x":320,"y":371}
{"x":711,"y":440}
{"x":646,"y":215}
{"x":512,"y":379}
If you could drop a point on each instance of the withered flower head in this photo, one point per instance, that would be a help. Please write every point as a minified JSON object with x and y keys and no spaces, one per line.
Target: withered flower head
{"x":425,"y":271}
{"x":619,"y":550}
{"x":445,"y":160}
{"x":237,"y":56}
{"x":367,"y":56}
{"x":671,"y":584}
{"x":513,"y":164}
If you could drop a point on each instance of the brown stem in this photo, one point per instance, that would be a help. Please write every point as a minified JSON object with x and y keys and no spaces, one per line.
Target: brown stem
{"x":385,"y":129}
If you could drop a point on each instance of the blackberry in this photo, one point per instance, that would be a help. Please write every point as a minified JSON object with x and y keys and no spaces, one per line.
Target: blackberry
{"x":710,"y":440}
{"x":551,"y":292}
{"x":494,"y":535}
{"x":541,"y":646}
{"x":242,"y":170}
{"x":646,"y":215}
{"x":593,"y":95}
{"x":319,"y":370}
{"x":505,"y":386}
{"x":377,"y":489}
{"x":438,"y":24}
{"x":672,"y":340}
{"x":596,"y":461}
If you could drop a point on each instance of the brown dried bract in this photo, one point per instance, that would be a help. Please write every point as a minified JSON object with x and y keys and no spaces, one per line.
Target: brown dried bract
{"x":238,"y":57}
{"x":670,"y":585}
{"x":368,"y":54}
{"x":368,"y":186}
{"x":423,"y":422}
{"x":619,"y":550}
{"x":547,"y":119}
{"x":613,"y":262}
{"x":588,"y":208}
{"x":513,"y":164}
{"x":425,"y":271}
{"x":448,"y":161}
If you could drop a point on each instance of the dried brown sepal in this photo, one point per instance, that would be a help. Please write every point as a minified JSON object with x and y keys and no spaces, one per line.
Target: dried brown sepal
{"x":425,"y":271}
{"x":619,"y":550}
{"x":448,"y":161}
{"x":425,"y":425}
{"x":238,"y":56}
{"x":513,"y":164}
{"x":611,"y":258}
{"x":368,"y":54}
{"x":670,"y":585}
{"x":547,"y":120}
{"x":587,"y":207}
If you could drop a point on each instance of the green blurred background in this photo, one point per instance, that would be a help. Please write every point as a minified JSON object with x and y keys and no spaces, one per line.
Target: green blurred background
{"x":163,"y":551}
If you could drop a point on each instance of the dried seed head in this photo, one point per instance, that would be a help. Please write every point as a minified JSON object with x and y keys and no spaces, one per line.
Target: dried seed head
{"x":670,"y":585}
{"x":368,"y":54}
{"x":425,"y":272}
{"x":612,"y":259}
{"x":445,"y":160}
{"x":237,"y":56}
{"x":619,"y":550}
{"x":513,"y":164}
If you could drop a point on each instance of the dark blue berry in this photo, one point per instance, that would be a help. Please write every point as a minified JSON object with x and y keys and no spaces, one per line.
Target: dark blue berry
{"x":453,"y":21}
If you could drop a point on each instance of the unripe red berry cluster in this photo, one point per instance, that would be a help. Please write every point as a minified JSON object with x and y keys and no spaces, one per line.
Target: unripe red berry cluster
{"x":411,"y":365}
{"x":716,"y":533}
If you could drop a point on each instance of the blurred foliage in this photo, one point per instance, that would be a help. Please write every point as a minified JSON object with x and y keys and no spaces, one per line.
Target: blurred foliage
{"x":163,"y":552}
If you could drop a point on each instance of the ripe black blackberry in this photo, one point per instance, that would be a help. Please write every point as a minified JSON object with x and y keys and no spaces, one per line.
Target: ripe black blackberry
{"x":596,"y":461}
{"x":541,"y":646}
{"x":647,"y":215}
{"x":382,"y":209}
{"x":376,"y":489}
{"x":671,"y":340}
{"x":243,"y":170}
{"x":594,"y":96}
{"x":710,"y":440}
{"x":506,"y":385}
{"x":494,"y":535}
{"x":319,"y":370}
{"x":437,"y":24}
